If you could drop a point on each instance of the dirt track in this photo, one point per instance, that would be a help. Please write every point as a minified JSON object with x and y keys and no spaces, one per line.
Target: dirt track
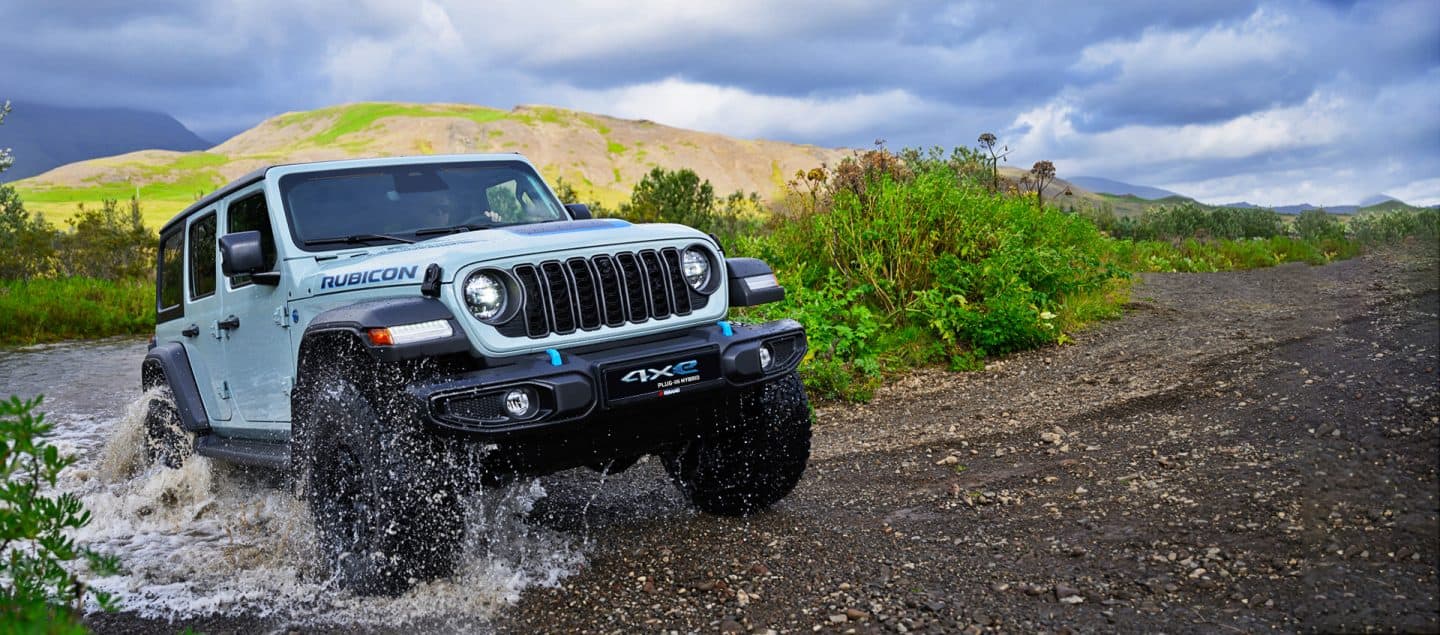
{"x":1247,"y":450}
{"x":1243,"y":451}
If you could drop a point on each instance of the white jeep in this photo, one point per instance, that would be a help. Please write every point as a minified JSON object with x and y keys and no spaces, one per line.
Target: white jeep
{"x":396,"y":332}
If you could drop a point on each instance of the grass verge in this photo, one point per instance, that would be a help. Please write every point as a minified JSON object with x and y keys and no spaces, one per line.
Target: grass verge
{"x":50,"y":310}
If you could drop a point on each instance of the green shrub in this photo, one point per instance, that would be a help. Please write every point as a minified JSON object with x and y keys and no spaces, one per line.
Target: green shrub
{"x":1393,"y":226}
{"x":1317,"y":224}
{"x":1191,"y":220}
{"x":681,"y":196}
{"x":39,"y":590}
{"x":896,"y":260}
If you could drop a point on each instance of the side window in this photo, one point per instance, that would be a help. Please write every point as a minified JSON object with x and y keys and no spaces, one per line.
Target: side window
{"x":169,"y":285}
{"x":202,"y":257}
{"x":250,"y":214}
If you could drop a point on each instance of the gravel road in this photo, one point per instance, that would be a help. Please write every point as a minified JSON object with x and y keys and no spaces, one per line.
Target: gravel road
{"x":1242,"y":451}
{"x":1248,"y":451}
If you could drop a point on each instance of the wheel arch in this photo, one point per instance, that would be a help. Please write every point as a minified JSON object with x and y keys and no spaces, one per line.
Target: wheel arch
{"x":169,"y":364}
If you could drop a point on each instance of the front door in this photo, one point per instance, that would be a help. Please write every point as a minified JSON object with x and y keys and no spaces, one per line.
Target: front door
{"x":254,"y":316}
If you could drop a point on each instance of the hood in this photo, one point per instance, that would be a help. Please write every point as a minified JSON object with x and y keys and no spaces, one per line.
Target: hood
{"x":406,"y":263}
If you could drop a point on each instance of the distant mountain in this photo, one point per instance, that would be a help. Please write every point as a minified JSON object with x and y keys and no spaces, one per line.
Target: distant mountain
{"x":1103,"y":185}
{"x":1376,"y":199}
{"x":44,"y":137}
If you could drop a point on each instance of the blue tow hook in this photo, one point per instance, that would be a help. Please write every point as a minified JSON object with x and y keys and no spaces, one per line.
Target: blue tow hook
{"x":725,"y":328}
{"x":554,"y":356}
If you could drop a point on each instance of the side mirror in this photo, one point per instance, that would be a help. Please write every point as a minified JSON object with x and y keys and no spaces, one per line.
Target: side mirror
{"x":578,"y":211}
{"x":241,"y":255}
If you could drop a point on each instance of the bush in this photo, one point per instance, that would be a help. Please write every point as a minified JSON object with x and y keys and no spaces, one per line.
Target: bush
{"x":108,"y":243}
{"x":895,"y":260}
{"x":681,"y":196}
{"x":39,"y":591}
{"x":1388,"y":227}
{"x":1190,"y":220}
{"x":1316,"y":224}
{"x":27,"y":243}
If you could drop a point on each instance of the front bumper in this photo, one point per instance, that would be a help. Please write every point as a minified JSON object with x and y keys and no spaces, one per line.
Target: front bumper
{"x":570,"y":388}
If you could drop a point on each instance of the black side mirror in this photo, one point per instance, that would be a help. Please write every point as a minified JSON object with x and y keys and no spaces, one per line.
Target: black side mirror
{"x":240,"y":254}
{"x":578,"y":211}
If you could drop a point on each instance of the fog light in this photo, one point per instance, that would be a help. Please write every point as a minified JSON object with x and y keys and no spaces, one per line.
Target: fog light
{"x":517,"y":403}
{"x":765,"y":357}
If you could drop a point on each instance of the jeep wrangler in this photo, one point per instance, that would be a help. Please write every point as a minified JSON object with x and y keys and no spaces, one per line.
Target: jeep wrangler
{"x":394,"y":333}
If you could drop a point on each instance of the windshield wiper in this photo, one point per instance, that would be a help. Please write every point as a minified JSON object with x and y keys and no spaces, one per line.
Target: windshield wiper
{"x":453,"y":229}
{"x":355,"y":239}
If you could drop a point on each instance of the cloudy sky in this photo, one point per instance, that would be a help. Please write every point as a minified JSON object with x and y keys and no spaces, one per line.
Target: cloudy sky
{"x":1273,"y":103}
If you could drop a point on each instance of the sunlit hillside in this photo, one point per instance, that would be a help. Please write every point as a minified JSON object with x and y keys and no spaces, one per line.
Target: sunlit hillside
{"x":602,"y":157}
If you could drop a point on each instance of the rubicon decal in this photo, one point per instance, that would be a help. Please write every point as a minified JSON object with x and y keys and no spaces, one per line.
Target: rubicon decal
{"x":689,"y":367}
{"x":387,"y":274}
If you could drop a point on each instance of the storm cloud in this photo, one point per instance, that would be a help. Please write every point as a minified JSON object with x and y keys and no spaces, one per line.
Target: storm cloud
{"x":1272,"y":102}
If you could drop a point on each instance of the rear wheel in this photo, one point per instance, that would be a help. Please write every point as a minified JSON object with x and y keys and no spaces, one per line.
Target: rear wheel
{"x":381,"y":491}
{"x":167,"y":443}
{"x":752,"y":452}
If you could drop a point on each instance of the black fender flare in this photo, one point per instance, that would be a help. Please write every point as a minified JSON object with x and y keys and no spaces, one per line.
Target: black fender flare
{"x":170,"y":364}
{"x":357,"y":319}
{"x":752,"y":282}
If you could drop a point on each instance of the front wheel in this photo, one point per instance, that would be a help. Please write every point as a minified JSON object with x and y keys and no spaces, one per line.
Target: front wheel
{"x":751,"y":452}
{"x":381,"y":491}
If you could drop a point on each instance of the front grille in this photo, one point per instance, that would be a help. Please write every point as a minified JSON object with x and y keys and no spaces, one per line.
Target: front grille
{"x":584,"y":294}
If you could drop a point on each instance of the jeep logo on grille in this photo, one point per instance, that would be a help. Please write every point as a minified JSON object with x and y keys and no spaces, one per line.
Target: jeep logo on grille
{"x":642,"y":375}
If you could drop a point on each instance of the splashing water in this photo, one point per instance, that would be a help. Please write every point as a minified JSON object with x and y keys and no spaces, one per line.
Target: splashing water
{"x":214,"y":539}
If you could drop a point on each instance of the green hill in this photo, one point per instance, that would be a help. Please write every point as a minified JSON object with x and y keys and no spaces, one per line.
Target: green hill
{"x":602,"y":157}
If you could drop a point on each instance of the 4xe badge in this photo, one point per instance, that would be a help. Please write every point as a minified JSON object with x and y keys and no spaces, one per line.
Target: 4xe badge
{"x":644,"y":375}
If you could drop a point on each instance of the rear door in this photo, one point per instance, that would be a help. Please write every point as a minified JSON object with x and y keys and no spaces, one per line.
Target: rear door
{"x":258,"y":343}
{"x":200,"y":333}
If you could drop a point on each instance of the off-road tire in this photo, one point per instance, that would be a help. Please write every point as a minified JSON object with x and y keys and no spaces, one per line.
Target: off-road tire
{"x":752,"y":451}
{"x":381,"y":490}
{"x":167,"y":443}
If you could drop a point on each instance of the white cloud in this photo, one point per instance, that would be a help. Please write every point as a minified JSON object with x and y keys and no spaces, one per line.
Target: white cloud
{"x":1263,"y":37}
{"x":419,"y":55}
{"x":685,"y":104}
{"x":1049,"y":132}
{"x":1422,"y":192}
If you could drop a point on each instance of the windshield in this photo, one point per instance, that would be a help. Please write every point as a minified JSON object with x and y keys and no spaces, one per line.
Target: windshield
{"x":404,"y":203}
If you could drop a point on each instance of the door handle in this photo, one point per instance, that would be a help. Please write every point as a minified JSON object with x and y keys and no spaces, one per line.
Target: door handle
{"x":228,"y":323}
{"x":191,"y":331}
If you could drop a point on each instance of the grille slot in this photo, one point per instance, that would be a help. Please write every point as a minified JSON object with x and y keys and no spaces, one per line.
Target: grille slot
{"x":633,"y":277}
{"x":559,"y":298}
{"x":656,"y":288}
{"x":610,"y":285}
{"x":587,"y":307}
{"x":679,"y":289}
{"x":536,"y":324}
{"x":564,"y":296}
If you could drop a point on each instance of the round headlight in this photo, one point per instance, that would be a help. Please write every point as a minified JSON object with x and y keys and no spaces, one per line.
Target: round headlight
{"x":485,"y":296}
{"x":695,"y":265}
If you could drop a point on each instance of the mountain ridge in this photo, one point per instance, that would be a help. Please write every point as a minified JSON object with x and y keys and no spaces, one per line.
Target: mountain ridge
{"x":43,"y":136}
{"x":602,"y":157}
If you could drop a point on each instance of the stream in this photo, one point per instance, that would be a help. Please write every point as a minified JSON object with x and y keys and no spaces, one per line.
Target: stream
{"x":211,"y":539}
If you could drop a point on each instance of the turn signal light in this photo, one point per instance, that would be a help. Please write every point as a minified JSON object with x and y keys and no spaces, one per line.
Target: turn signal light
{"x":410,"y":333}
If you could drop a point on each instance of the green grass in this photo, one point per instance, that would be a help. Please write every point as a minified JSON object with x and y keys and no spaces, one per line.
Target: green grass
{"x":615,"y":147}
{"x":354,"y":118}
{"x":49,"y":310}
